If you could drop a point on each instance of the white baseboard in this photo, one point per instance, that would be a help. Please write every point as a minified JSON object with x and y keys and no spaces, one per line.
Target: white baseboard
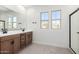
{"x":48,"y":44}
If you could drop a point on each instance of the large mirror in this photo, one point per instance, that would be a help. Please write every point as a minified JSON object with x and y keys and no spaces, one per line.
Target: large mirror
{"x":12,"y":18}
{"x":8,"y":19}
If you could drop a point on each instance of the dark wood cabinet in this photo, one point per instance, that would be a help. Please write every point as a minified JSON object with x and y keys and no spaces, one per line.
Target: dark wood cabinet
{"x":22,"y":40}
{"x":28,"y":38}
{"x":10,"y":44}
{"x":17,"y":44}
{"x":13,"y":43}
{"x":6,"y":46}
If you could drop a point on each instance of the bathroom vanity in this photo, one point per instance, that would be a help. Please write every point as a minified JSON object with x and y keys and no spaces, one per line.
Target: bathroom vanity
{"x":14,"y":41}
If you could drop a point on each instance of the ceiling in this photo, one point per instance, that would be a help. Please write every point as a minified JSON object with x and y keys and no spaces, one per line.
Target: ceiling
{"x":2,"y":8}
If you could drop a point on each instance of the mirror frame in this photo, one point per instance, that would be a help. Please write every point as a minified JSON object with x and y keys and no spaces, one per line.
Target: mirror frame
{"x":3,"y":24}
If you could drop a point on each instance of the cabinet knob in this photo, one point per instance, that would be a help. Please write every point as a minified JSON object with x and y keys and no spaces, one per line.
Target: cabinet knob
{"x":12,"y":42}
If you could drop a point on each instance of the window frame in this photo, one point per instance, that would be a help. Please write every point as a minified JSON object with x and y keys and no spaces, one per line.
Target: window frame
{"x":55,"y":19}
{"x":2,"y":24}
{"x":44,"y":20}
{"x":12,"y":28}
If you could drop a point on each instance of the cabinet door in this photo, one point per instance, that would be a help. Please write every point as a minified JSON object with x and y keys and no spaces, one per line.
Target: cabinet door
{"x":16,"y":44}
{"x":22,"y":40}
{"x":29,"y":37}
{"x":7,"y":46}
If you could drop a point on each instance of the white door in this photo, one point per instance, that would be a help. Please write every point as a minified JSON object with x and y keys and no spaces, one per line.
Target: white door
{"x":75,"y":32}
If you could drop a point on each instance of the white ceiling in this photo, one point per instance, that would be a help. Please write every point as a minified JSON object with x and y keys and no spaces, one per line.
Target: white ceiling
{"x":16,"y":8}
{"x":2,"y":8}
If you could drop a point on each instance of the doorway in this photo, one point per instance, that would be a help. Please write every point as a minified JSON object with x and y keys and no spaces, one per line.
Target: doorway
{"x":74,"y":31}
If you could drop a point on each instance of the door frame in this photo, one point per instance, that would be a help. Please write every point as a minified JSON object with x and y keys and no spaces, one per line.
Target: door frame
{"x":70,"y":28}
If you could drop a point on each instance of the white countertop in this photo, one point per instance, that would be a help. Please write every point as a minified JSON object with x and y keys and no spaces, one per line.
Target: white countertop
{"x":13,"y":32}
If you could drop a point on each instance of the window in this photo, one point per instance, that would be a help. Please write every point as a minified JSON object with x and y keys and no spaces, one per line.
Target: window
{"x":12,"y":23}
{"x":44,"y":20}
{"x":56,"y":19}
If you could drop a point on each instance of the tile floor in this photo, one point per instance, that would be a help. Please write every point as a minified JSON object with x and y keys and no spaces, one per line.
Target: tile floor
{"x":44,"y":49}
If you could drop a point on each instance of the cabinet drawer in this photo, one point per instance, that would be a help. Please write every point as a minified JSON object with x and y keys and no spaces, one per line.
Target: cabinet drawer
{"x":9,"y":37}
